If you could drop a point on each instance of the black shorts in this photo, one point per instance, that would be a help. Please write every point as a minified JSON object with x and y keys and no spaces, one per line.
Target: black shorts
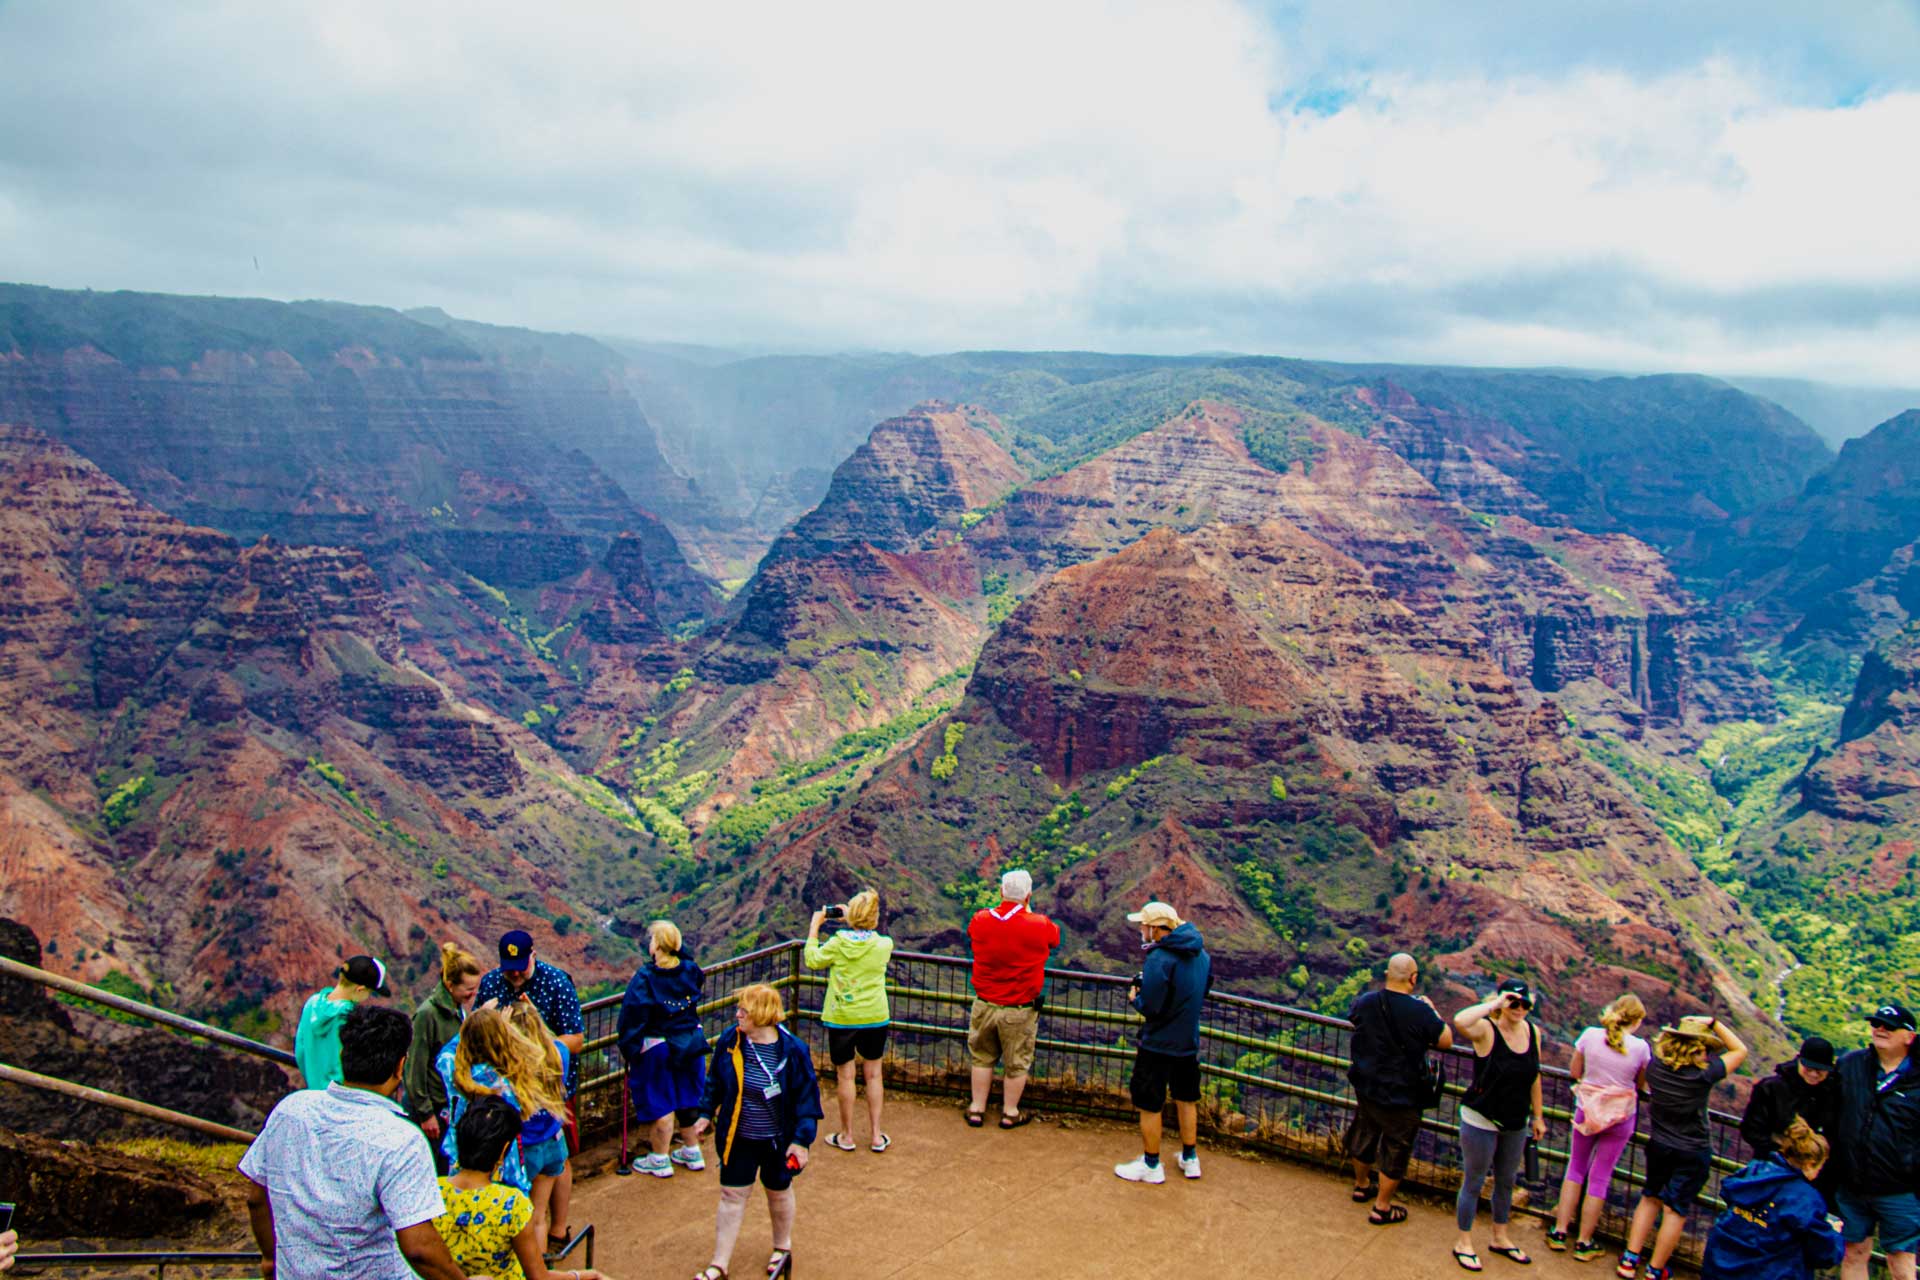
{"x":843,"y":1042}
{"x":756,"y":1157}
{"x":1675,"y":1178}
{"x":1383,"y":1137}
{"x":1155,"y":1075}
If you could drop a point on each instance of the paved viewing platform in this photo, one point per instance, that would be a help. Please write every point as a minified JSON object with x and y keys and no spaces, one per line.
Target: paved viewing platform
{"x":953,"y":1203}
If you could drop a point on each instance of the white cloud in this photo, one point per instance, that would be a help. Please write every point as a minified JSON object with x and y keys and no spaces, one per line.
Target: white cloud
{"x":1083,"y":174}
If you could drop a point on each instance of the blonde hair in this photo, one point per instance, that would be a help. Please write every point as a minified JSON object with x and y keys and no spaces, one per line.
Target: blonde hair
{"x":525,"y":1018}
{"x":863,"y":910}
{"x":488,"y":1036}
{"x":763,"y":1004}
{"x":456,"y":962}
{"x":1618,"y":1016}
{"x":663,"y":939}
{"x":1677,"y":1052}
{"x":1801,"y":1147}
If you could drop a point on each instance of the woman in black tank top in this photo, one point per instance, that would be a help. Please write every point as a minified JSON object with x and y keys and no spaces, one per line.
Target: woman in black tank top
{"x":1494,"y":1115}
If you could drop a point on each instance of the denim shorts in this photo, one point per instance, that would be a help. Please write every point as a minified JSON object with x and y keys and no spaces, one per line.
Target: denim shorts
{"x":546,"y":1159}
{"x":1895,"y":1219}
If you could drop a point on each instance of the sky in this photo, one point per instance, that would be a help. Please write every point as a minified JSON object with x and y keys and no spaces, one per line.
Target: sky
{"x":1619,"y":184}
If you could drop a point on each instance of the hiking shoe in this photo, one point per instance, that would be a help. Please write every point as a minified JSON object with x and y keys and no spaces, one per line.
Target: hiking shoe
{"x":1556,"y":1239}
{"x":658,"y":1165}
{"x":1190,"y":1167}
{"x":1137,"y":1170}
{"x":689,"y":1158}
{"x":1586,"y":1250}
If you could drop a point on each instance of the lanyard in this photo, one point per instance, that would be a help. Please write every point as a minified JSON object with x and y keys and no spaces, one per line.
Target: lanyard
{"x":1886,"y":1082}
{"x":773,"y":1076}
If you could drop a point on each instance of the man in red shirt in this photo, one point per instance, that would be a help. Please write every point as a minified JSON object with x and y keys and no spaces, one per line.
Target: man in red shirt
{"x":1010,"y":949}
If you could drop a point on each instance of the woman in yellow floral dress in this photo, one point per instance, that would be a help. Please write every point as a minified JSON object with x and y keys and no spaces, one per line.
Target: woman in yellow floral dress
{"x":488,"y":1226}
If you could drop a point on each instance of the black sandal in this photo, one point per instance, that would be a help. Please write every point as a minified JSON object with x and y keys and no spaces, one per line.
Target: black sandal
{"x":1015,"y":1120}
{"x":1387,"y":1217}
{"x":975,"y":1119}
{"x":1512,"y":1253}
{"x":1369,"y":1192}
{"x":1468,"y":1261}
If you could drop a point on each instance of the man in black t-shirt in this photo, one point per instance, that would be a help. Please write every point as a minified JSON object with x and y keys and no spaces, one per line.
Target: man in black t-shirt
{"x":1392,"y":1031}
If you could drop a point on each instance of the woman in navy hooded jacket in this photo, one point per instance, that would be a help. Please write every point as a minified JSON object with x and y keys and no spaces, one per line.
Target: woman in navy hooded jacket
{"x":666,"y":1051}
{"x":1775,"y":1226}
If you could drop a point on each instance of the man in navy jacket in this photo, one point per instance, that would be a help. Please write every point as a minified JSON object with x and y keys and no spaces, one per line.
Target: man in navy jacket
{"x":1876,"y":1135}
{"x":1169,"y":993}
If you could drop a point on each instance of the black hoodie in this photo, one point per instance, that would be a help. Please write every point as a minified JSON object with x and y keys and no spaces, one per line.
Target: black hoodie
{"x":1782,"y":1096}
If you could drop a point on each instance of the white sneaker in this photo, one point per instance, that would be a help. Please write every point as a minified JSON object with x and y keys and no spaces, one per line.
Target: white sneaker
{"x":689,"y":1158}
{"x":1190,"y":1167}
{"x":1137,"y":1170}
{"x":657,"y":1165}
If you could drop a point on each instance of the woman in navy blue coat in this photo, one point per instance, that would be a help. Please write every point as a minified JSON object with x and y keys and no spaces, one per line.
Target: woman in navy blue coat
{"x":666,"y":1051}
{"x":763,"y":1106}
{"x":1776,"y":1225}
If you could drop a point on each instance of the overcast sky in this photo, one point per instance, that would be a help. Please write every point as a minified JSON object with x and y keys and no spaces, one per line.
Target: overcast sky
{"x":1600,"y":183}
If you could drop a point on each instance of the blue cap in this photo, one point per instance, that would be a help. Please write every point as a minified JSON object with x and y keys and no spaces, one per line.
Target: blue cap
{"x":516,"y":950}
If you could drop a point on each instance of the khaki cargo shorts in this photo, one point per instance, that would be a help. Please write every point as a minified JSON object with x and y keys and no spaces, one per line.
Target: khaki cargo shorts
{"x":996,"y":1032}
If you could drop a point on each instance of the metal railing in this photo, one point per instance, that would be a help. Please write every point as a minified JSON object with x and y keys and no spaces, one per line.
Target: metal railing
{"x":1274,"y":1077}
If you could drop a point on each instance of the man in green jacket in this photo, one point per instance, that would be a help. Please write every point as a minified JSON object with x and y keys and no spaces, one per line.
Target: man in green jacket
{"x":855,"y":1012}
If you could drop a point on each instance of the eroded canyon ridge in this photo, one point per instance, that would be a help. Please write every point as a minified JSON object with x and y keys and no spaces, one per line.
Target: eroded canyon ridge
{"x":329,"y":628}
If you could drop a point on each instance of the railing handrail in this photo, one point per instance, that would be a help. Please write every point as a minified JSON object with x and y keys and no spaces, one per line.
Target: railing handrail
{"x":1290,"y":1012}
{"x":132,"y":1106}
{"x":165,"y":1017}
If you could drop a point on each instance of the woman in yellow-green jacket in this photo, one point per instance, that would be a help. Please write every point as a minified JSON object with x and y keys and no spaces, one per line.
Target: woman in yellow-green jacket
{"x":856,"y":1012}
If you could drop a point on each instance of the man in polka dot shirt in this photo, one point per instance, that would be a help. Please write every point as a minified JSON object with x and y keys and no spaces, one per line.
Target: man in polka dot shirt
{"x":549,"y":988}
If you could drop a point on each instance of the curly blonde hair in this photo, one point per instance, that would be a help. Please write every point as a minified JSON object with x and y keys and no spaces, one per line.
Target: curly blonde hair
{"x":488,"y":1036}
{"x":1677,"y":1052}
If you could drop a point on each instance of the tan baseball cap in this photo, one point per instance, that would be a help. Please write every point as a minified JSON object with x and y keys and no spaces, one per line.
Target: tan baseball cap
{"x":1156,"y":913}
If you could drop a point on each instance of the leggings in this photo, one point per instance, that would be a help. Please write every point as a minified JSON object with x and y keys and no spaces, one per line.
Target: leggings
{"x":1592,"y":1158}
{"x":1480,"y":1150}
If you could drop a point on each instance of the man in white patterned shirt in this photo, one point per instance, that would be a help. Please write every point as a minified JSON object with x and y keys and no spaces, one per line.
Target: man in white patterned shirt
{"x":343,"y":1186}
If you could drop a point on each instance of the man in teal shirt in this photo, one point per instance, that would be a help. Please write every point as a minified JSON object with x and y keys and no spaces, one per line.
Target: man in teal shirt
{"x":316,"y":1043}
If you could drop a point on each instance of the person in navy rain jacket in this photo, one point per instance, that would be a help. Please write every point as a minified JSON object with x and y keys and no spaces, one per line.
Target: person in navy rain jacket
{"x":1775,"y":1226}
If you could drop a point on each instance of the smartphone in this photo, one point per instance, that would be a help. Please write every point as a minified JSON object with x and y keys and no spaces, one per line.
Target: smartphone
{"x":834,"y":913}
{"x":6,"y":1217}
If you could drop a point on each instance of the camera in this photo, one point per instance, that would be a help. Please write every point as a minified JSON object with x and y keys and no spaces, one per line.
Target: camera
{"x":834,"y":913}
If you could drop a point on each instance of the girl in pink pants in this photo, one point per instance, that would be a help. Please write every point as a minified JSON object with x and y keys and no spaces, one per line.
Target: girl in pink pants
{"x":1609,"y":1063}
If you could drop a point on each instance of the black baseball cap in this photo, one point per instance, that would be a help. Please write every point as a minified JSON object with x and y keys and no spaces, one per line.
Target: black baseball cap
{"x":1816,"y":1054}
{"x":516,"y":950}
{"x":1517,"y":986}
{"x":1895,"y":1017}
{"x":368,"y":972}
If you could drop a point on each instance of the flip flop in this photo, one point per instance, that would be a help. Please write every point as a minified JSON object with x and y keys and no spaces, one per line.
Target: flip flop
{"x":712,"y":1272}
{"x":841,"y":1142}
{"x":1468,"y":1261}
{"x":1512,"y":1253}
{"x":780,"y":1264}
{"x":881,"y":1143}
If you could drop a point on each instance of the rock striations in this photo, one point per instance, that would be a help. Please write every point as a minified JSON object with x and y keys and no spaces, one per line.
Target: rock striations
{"x":221,"y":772}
